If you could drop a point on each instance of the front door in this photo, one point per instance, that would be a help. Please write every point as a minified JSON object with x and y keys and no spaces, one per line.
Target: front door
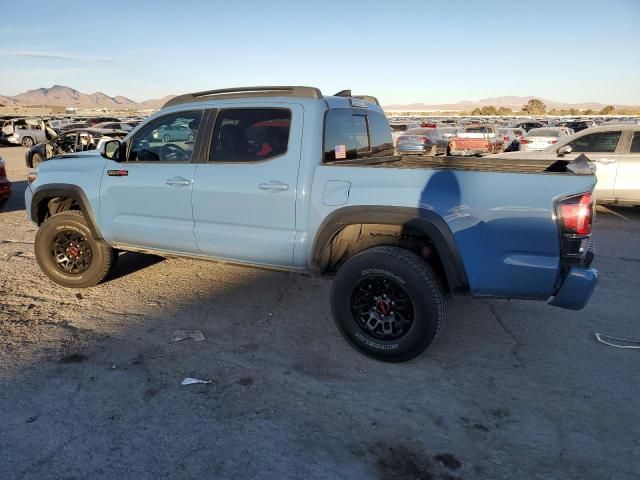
{"x":244,"y":196}
{"x":600,"y":148}
{"x":145,"y":201}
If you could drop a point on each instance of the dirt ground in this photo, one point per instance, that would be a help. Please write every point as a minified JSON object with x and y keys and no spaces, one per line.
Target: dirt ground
{"x":90,"y":380}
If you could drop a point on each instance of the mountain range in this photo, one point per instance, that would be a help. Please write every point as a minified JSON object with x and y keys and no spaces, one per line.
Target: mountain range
{"x":59,"y":95}
{"x":62,"y":96}
{"x":513,"y":102}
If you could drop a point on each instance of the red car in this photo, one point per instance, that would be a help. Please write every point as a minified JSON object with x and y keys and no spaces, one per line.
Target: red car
{"x":5,"y":184}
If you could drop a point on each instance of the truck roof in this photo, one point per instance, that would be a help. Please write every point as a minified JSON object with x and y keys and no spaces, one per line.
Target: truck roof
{"x":342,"y":99}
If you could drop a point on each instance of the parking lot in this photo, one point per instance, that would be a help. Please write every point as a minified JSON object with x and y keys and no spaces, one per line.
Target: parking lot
{"x":90,"y":380}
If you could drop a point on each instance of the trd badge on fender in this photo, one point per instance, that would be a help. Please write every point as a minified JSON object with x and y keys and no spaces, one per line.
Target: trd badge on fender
{"x":118,"y":173}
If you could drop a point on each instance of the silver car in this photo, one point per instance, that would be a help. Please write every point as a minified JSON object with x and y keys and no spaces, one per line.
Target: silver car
{"x":424,"y":141}
{"x":614,"y":149}
{"x":540,"y":138}
{"x":24,"y":131}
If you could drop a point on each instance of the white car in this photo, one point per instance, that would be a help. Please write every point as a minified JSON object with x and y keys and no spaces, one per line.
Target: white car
{"x":615,"y":151}
{"x":541,"y":138}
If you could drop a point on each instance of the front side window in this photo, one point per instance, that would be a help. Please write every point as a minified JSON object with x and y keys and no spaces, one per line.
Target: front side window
{"x":166,"y":139}
{"x":250,"y":134}
{"x":601,"y":142}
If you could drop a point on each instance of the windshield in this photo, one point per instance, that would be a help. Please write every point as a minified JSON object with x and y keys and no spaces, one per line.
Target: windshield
{"x":478,"y":130}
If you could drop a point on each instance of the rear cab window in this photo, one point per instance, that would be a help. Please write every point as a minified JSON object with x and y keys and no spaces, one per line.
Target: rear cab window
{"x":351,"y":133}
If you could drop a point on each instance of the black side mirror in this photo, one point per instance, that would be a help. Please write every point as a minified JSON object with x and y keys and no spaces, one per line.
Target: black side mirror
{"x":111,"y":150}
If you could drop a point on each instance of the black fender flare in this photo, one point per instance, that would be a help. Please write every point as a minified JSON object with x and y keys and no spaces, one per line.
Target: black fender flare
{"x":426,"y":221}
{"x":65,"y":190}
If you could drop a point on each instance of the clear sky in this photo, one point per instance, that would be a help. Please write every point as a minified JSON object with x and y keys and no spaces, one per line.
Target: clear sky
{"x":401,"y":52}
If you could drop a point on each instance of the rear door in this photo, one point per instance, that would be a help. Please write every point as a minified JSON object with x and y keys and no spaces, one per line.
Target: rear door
{"x":145,"y":201}
{"x":627,"y":187}
{"x":244,"y":195}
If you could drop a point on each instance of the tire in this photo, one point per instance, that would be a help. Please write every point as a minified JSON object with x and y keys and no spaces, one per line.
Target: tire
{"x":190,"y":137}
{"x":36,"y":159}
{"x":72,"y":223}
{"x":166,"y":138}
{"x":404,"y":271}
{"x":27,"y":142}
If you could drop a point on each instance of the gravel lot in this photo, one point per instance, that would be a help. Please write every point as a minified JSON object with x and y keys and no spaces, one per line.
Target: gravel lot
{"x":90,"y":381}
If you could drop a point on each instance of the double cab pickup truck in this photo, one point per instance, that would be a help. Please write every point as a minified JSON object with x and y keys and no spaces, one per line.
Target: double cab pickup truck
{"x":477,"y":139}
{"x":288,"y":178}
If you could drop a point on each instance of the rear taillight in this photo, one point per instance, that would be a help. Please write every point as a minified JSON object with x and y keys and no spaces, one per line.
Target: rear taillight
{"x":553,"y":141}
{"x":3,"y":170}
{"x":400,"y":139}
{"x":575,"y":216}
{"x":505,"y":138}
{"x":524,"y":140}
{"x":32,"y":177}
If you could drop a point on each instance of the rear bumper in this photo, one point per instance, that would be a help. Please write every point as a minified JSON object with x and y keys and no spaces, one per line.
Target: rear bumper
{"x":5,"y":190}
{"x":576,"y":288}
{"x":464,"y":152}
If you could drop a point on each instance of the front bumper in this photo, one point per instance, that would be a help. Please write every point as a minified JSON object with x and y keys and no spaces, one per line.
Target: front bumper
{"x":576,"y":289}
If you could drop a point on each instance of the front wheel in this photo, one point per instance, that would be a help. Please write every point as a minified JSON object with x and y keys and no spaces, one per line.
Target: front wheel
{"x":36,"y":159}
{"x":27,"y":142}
{"x":386,"y":302}
{"x":69,"y":255}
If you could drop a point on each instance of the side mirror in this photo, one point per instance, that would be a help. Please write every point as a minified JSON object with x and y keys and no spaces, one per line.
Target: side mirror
{"x":565,"y":150}
{"x":111,"y":150}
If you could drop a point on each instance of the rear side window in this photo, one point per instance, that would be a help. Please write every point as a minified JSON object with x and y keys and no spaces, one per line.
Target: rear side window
{"x":635,"y":143}
{"x":351,"y":133}
{"x":250,"y":134}
{"x":601,"y":142}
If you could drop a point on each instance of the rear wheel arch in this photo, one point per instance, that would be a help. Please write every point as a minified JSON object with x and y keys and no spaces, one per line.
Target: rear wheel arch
{"x":55,"y":198}
{"x":351,"y":230}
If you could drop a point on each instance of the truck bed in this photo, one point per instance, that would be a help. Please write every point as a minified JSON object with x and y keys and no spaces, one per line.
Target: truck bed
{"x":579,"y":166}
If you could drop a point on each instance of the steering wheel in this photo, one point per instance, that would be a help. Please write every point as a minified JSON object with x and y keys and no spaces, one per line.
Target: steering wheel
{"x":172,"y":152}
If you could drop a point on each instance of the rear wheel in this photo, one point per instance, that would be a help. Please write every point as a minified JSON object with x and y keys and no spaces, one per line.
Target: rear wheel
{"x":166,"y":138}
{"x":387,"y":303}
{"x":69,"y":255}
{"x":27,"y":142}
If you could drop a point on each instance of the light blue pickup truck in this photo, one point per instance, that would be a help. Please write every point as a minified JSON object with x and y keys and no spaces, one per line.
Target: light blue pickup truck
{"x":288,"y":178}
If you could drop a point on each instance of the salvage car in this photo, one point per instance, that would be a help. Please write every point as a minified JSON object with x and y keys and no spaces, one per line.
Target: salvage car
{"x":477,"y":139}
{"x":614,"y":150}
{"x":423,"y":141}
{"x":319,"y":191}
{"x":541,"y":138}
{"x":77,"y":140}
{"x":5,"y":184}
{"x":24,"y":131}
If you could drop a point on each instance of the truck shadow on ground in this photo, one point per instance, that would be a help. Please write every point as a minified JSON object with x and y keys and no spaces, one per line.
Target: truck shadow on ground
{"x":16,"y":201}
{"x":289,"y":398}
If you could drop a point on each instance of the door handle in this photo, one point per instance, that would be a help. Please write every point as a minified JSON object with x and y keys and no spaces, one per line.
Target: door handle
{"x":178,"y":182}
{"x":606,"y":161}
{"x":273,"y":186}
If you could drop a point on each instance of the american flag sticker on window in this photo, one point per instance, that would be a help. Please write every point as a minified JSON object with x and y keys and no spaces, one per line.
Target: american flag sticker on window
{"x":341,"y":152}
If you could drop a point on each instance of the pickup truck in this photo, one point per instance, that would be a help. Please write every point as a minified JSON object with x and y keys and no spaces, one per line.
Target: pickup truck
{"x":477,"y":139}
{"x":288,"y":178}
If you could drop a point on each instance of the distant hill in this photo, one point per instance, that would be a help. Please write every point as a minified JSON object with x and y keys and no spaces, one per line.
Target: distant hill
{"x":62,"y":96}
{"x":513,"y":102}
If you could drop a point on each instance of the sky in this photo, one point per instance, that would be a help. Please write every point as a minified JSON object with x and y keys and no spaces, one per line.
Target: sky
{"x":401,"y":52}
